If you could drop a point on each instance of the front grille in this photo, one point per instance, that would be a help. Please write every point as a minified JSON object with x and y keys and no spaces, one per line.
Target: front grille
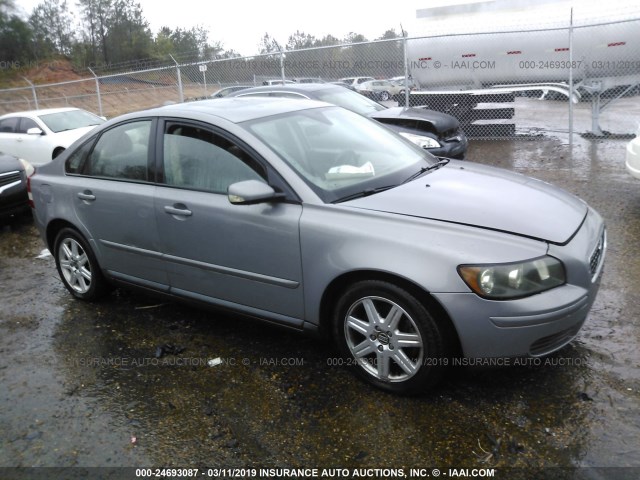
{"x":9,"y":177}
{"x":598,"y":255}
{"x":9,"y":180}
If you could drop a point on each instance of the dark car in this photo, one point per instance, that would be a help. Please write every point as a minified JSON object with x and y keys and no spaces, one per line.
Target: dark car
{"x":13,"y":186}
{"x":436,"y":132}
{"x":223,"y":92}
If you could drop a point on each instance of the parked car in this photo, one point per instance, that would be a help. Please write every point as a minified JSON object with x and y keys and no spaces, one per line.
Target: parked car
{"x":223,"y":92}
{"x":379,"y":89}
{"x":308,"y":80}
{"x":437,"y":132}
{"x":403,"y":82}
{"x":277,"y":81}
{"x":318,"y":219}
{"x":633,"y":157}
{"x":39,"y":136}
{"x":353,"y":82}
{"x":14,"y":199}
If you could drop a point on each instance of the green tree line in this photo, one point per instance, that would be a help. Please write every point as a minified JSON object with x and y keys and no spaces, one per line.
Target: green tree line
{"x":111,"y":33}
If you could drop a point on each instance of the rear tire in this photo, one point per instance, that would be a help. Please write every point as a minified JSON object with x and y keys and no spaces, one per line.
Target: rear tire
{"x":77,"y":266}
{"x":389,"y":338}
{"x":384,"y":96}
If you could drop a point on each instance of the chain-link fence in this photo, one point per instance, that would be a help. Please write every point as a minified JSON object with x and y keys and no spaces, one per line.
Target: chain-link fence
{"x":500,"y":84}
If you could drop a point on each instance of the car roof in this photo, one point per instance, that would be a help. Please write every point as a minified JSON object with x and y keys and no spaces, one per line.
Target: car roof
{"x":238,"y":110}
{"x":42,"y":111}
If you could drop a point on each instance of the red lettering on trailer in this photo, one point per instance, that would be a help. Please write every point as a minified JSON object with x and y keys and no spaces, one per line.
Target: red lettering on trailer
{"x":514,"y":52}
{"x":563,"y":49}
{"x":425,"y":59}
{"x":467,"y":55}
{"x":616,"y":44}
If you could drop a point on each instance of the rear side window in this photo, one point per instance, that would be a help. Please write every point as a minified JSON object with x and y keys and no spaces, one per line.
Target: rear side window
{"x":199,"y":159}
{"x":9,"y":125}
{"x":75,"y":162}
{"x":121,"y":152}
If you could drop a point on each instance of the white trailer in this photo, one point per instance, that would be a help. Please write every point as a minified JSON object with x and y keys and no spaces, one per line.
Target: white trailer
{"x":594,"y":57}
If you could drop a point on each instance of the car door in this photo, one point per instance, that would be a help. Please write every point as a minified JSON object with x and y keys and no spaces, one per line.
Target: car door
{"x":9,"y":136}
{"x":33,"y":148}
{"x":112,"y":191}
{"x":230,"y":255}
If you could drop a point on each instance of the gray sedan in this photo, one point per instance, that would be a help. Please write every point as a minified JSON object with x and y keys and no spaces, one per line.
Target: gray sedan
{"x":315,"y":218}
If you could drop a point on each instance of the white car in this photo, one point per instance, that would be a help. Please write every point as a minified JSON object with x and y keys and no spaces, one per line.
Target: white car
{"x":353,"y":82}
{"x":633,"y":156}
{"x":379,"y":89}
{"x":39,"y":136}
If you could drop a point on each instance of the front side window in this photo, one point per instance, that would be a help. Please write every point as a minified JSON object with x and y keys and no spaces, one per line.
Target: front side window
{"x":199,"y":159}
{"x":26,"y":124}
{"x":121,"y":153}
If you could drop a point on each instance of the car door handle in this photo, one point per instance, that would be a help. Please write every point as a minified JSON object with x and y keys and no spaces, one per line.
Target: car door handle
{"x":178,"y":209}
{"x":86,"y":195}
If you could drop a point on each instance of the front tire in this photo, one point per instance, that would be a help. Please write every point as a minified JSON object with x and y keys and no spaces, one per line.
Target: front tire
{"x":389,"y":337}
{"x":77,"y":266}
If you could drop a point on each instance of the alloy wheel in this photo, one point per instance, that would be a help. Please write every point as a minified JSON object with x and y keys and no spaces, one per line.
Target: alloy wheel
{"x":384,"y":339}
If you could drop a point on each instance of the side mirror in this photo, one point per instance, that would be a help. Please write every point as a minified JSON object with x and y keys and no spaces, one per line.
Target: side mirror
{"x":34,"y":131}
{"x":250,"y":192}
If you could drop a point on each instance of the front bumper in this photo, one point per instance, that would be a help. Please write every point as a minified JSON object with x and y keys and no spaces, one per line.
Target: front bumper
{"x":539,"y":324}
{"x":456,"y":148}
{"x":14,"y":200}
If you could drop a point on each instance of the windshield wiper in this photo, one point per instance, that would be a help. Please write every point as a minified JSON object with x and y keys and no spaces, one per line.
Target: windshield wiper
{"x":371,"y":191}
{"x":364,"y":193}
{"x":440,"y":163}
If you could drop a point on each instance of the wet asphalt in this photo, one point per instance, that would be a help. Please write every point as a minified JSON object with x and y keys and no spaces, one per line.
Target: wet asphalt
{"x":126,"y":381}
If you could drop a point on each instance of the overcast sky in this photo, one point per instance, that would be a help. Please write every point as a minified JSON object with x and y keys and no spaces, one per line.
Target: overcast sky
{"x":241,"y":25}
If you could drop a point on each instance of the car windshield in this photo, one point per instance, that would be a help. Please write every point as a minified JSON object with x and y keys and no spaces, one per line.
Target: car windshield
{"x":350,"y":100}
{"x":338,"y":153}
{"x":70,"y":120}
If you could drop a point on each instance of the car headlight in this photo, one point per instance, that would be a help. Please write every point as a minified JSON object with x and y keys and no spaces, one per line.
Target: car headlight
{"x":28,"y":168}
{"x":513,"y":280}
{"x":421,"y":140}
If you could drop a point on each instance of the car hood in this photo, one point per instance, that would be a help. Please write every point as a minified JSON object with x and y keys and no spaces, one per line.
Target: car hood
{"x":442,"y":122}
{"x":65,"y":139}
{"x":9,"y":163}
{"x":485,"y":197}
